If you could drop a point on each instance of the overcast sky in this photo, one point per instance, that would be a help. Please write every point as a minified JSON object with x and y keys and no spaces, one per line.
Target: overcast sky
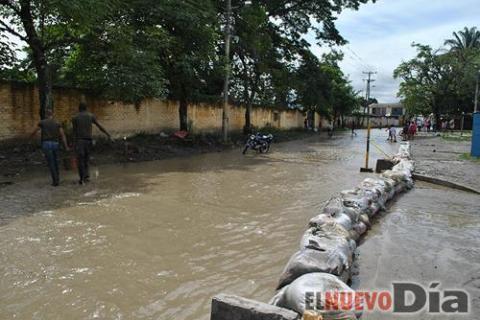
{"x":380,"y":36}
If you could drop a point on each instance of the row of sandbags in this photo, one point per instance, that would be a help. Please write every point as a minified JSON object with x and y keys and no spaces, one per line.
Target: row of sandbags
{"x":323,"y":262}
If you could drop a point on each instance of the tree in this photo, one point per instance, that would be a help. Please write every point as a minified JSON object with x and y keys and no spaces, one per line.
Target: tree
{"x":468,"y":38}
{"x":253,"y":56}
{"x":437,"y":82}
{"x":322,"y":87}
{"x":270,"y":40}
{"x":48,"y":26}
{"x":190,"y":56}
{"x":313,"y":85}
{"x":118,"y":59}
{"x":7,"y":55}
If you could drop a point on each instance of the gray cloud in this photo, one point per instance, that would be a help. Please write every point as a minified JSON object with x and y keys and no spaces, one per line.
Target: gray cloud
{"x":380,"y":36}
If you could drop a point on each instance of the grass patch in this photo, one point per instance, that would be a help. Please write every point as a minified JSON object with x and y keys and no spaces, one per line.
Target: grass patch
{"x":468,"y":157}
{"x":457,"y":137}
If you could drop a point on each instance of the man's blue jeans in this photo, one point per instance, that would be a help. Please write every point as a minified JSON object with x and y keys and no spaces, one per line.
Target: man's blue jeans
{"x":50,"y":149}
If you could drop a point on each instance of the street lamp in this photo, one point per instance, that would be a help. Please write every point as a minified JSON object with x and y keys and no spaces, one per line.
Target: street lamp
{"x":228,"y":38}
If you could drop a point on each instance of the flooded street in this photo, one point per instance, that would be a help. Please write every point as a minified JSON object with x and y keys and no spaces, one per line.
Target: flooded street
{"x":157,"y":240}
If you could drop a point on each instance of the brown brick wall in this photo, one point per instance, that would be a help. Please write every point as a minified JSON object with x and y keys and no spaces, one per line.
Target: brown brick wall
{"x":19,"y":113}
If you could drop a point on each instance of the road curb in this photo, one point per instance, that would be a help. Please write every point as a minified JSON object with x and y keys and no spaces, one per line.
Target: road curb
{"x":444,"y":183}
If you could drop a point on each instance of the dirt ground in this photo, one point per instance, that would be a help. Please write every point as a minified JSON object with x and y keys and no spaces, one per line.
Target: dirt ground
{"x":444,"y":159}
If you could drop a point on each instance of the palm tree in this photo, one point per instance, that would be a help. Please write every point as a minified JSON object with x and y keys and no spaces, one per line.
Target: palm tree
{"x":468,"y":38}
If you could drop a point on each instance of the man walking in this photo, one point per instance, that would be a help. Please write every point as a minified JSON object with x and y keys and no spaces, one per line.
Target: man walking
{"x":51,"y":131}
{"x":353,"y":128}
{"x":82,"y":134}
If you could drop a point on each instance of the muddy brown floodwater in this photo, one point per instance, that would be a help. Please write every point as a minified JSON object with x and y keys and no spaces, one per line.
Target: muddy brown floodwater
{"x":157,"y":240}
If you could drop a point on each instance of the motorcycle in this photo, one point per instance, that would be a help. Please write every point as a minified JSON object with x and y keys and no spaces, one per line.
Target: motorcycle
{"x":259,"y":142}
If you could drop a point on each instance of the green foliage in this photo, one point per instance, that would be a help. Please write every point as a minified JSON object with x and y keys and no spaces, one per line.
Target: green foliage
{"x":118,"y":61}
{"x":468,"y":38}
{"x":322,"y":87}
{"x":439,"y":82}
{"x":469,"y":157}
{"x":131,"y":50}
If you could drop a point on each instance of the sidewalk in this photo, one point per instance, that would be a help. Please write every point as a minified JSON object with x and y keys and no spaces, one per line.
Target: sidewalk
{"x":444,"y":159}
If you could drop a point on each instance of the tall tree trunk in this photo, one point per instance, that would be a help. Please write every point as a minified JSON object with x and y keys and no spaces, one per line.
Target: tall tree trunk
{"x":39,"y":58}
{"x":183,"y":112}
{"x":44,"y":87}
{"x":248,"y":123}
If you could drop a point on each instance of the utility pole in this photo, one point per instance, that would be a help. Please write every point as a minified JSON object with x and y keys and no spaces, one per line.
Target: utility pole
{"x":228,"y":36}
{"x":369,"y":81}
{"x":476,"y":92}
{"x":476,"y":123}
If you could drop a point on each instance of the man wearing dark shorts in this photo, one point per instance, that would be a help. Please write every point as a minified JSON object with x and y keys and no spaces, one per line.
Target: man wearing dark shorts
{"x":82,"y":134}
{"x":51,"y":131}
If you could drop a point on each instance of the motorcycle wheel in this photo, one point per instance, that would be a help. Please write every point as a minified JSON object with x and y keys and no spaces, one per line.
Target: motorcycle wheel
{"x":264,"y":148}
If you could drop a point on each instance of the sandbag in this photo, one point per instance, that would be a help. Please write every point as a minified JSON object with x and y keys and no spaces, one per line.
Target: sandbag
{"x":344,"y":220}
{"x":336,"y":208}
{"x":404,"y":165}
{"x":293,"y":296}
{"x":397,"y":175}
{"x":378,"y":190}
{"x":310,"y":261}
{"x":354,"y":198}
{"x":326,"y":224}
{"x":341,"y":220}
{"x":391,"y":191}
{"x":324,"y":240}
{"x":320,"y":251}
{"x":366,"y":220}
{"x":374,"y":209}
{"x":360,"y":227}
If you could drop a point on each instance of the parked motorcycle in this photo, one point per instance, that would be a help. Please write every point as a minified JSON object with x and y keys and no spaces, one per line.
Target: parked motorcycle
{"x":259,"y":142}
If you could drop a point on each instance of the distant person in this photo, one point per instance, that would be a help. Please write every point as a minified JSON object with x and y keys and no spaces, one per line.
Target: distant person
{"x":51,"y":131}
{"x":433,"y":123}
{"x":353,"y":128}
{"x":412,"y":130}
{"x":330,"y":129}
{"x":305,"y":123}
{"x":392,"y":134}
{"x":427,"y":125}
{"x":82,"y":135}
{"x":451,"y":124}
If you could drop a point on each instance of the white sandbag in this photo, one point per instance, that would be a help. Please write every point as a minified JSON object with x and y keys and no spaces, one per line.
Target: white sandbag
{"x":375,"y":195}
{"x":344,"y":221}
{"x":333,"y":207}
{"x":328,"y":225}
{"x":334,"y":259}
{"x":355,"y":200}
{"x":324,"y":239}
{"x":360,"y":227}
{"x":375,"y":208}
{"x":404,"y":165}
{"x":366,"y":220}
{"x":397,"y":176}
{"x":336,"y":208}
{"x":391,"y":184}
{"x":293,"y":296}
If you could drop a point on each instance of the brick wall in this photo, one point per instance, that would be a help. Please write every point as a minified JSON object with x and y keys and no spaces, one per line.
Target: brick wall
{"x":19,"y":113}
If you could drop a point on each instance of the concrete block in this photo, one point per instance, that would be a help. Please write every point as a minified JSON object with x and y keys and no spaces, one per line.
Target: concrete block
{"x":229,"y":307}
{"x":383,"y":165}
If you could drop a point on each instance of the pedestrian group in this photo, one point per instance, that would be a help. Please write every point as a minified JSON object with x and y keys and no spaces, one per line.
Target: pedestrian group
{"x":52,"y":133}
